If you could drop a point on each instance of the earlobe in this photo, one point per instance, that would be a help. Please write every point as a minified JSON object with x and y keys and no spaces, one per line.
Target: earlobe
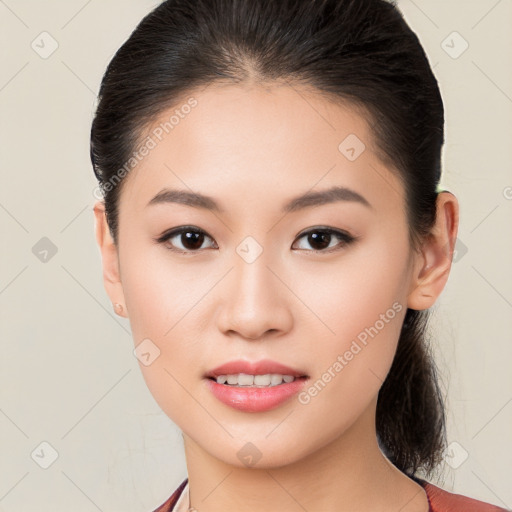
{"x":110,"y":259}
{"x":434,"y":262}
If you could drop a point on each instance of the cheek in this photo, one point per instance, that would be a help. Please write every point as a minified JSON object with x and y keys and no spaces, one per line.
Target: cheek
{"x":164,"y":314}
{"x":361,"y":305}
{"x":359,"y":291}
{"x":350,"y":365}
{"x":157,"y":292}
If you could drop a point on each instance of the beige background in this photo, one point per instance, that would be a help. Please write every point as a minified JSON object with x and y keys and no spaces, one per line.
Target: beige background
{"x":68,"y":376}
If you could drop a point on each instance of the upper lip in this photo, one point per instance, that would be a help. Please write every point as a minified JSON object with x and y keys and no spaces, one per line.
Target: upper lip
{"x":262,"y":367}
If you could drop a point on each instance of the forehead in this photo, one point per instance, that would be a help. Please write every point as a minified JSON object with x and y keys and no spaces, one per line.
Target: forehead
{"x":278,"y":139}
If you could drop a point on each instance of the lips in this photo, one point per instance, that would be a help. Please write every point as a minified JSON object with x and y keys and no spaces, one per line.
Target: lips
{"x":248,"y":398}
{"x":262,"y":367}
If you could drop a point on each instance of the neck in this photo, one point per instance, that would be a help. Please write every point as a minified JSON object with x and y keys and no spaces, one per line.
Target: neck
{"x":348,"y":474}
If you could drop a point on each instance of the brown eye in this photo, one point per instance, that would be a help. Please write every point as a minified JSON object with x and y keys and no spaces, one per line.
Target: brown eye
{"x":322,"y":239}
{"x":184,"y":239}
{"x":189,"y":239}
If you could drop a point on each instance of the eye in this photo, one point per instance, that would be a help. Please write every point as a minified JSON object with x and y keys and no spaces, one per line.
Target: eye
{"x":185,"y":239}
{"x":322,"y":238}
{"x":190,"y":239}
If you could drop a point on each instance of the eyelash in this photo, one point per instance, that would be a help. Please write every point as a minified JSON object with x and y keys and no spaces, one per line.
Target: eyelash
{"x":345,"y":238}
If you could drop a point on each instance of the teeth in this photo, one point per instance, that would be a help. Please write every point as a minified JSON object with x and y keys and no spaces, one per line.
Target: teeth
{"x":276,"y":379}
{"x":262,"y":380}
{"x":232,"y":379}
{"x":243,"y":379}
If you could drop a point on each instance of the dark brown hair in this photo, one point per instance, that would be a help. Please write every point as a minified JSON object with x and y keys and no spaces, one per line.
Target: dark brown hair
{"x":359,"y":51}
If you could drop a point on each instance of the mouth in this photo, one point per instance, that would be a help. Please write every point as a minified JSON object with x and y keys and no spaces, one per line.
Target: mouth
{"x":255,"y":386}
{"x":261,"y":374}
{"x":257,"y":381}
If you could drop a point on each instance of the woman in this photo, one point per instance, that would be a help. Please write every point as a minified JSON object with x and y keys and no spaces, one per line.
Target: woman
{"x":273,"y":228}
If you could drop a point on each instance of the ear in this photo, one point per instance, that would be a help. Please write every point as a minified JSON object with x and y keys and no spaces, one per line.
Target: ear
{"x":110,"y":258}
{"x":433,"y":264}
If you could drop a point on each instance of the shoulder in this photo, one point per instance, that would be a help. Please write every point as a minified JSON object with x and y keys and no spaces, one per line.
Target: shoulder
{"x":439,"y":499}
{"x":171,"y":501}
{"x":445,"y":501}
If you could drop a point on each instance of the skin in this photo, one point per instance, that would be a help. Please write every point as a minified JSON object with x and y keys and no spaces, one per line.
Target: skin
{"x":252,"y":148}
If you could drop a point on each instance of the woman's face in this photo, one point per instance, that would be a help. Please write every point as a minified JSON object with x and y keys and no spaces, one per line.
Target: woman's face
{"x":259,"y":278}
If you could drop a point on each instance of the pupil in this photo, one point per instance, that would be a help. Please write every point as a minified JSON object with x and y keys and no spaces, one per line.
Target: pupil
{"x":190,"y":240}
{"x":323,"y":237}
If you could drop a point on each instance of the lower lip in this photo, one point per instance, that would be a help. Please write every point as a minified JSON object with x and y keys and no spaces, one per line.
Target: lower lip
{"x":251,"y":399}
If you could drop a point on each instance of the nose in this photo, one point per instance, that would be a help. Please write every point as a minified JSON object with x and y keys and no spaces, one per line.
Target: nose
{"x":255,"y":301}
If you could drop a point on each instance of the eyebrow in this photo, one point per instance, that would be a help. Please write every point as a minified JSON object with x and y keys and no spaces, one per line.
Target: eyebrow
{"x":307,"y":200}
